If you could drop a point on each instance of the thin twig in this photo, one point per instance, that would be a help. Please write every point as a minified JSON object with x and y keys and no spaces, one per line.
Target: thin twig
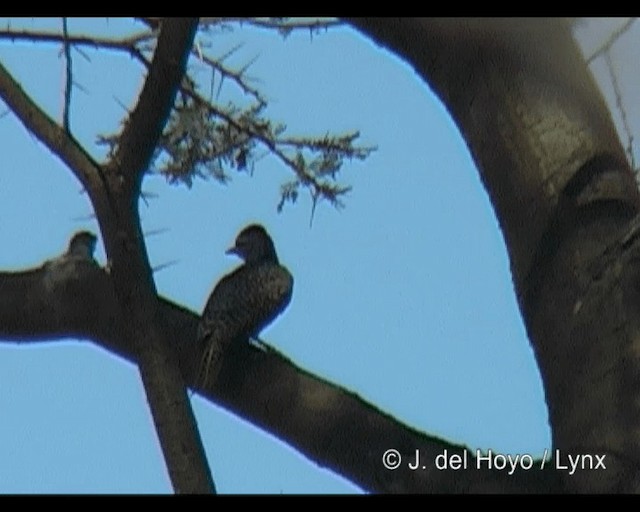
{"x":606,"y":46}
{"x":235,"y":76}
{"x":162,"y":266}
{"x":314,"y":203}
{"x":271,"y":144}
{"x":318,"y":145}
{"x":68,"y":78}
{"x":127,"y":44}
{"x":273,"y":24}
{"x":623,"y":114}
{"x":154,"y":232}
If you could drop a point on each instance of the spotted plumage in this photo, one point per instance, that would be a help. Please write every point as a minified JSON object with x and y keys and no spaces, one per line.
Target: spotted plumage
{"x":243,"y":302}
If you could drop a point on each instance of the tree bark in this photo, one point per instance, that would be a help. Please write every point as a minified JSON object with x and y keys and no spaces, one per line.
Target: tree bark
{"x":548,"y":154}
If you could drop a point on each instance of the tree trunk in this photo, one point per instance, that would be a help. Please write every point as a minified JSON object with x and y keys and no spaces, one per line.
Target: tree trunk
{"x":548,"y":154}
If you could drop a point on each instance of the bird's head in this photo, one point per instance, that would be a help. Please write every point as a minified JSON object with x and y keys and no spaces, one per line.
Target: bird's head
{"x":254,"y":245}
{"x":82,"y":244}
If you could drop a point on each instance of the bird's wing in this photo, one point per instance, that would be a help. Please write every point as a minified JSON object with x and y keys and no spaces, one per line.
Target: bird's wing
{"x":222,"y":302}
{"x":246,"y":300}
{"x":274,"y":294}
{"x":240,"y":306}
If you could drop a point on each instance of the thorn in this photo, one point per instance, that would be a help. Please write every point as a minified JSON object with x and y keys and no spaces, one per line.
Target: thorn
{"x":162,"y":266}
{"x":230,"y":52}
{"x":154,"y":232}
{"x":314,"y":199}
{"x":247,"y":65}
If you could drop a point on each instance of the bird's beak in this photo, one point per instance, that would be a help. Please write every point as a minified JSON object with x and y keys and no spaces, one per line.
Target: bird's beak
{"x":232,"y":250}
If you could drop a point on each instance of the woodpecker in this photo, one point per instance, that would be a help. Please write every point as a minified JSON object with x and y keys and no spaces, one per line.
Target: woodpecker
{"x":82,"y":245}
{"x":244,"y":301}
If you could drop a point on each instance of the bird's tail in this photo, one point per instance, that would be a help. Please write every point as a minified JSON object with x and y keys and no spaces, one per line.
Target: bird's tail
{"x":209,"y":366}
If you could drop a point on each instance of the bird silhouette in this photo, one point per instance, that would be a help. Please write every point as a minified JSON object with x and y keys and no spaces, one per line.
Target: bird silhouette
{"x":243,"y":302}
{"x":82,"y":245}
{"x":70,"y":265}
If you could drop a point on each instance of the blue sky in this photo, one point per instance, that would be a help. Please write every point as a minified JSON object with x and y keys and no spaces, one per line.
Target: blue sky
{"x":404,"y":296}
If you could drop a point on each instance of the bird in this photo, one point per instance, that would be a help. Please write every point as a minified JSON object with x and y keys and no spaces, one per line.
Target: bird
{"x":70,"y":266}
{"x":244,"y":301}
{"x":82,"y":245}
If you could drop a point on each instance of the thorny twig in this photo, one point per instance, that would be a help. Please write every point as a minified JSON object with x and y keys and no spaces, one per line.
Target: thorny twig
{"x":140,"y":44}
{"x":68,"y":78}
{"x":283,"y":25}
{"x":126,"y":44}
{"x":323,"y":188}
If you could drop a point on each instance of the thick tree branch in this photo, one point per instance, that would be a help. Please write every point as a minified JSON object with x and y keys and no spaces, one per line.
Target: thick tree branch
{"x":59,"y":142}
{"x":330,"y":425}
{"x":130,"y":269}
